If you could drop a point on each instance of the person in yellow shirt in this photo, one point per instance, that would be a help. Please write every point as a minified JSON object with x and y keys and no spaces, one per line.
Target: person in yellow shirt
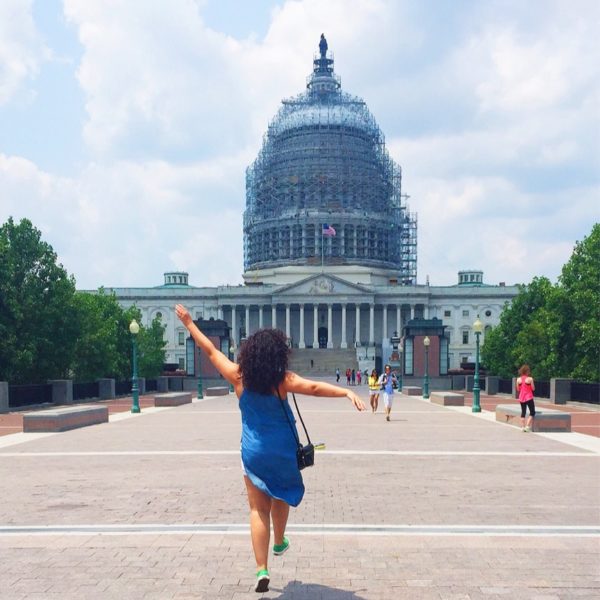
{"x":374,"y":390}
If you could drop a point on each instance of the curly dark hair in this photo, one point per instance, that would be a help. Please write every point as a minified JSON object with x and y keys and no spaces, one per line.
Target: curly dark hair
{"x":263,"y":360}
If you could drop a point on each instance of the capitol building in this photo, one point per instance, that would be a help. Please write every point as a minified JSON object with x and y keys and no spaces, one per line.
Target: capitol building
{"x":330,"y":251}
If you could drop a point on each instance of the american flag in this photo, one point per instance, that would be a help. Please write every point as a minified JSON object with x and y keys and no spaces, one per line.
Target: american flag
{"x":328,"y":230}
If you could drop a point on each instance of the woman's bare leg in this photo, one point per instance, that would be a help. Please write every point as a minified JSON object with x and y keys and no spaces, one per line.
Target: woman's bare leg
{"x":260,"y":523}
{"x":280,"y":511}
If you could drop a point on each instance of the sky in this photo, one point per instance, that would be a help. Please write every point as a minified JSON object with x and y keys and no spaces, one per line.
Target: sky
{"x":126,"y":126}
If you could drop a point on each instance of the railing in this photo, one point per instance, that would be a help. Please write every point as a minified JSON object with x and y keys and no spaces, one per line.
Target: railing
{"x":123,"y":388}
{"x":505,"y":386}
{"x":85,"y":390}
{"x":585,"y":392}
{"x":28,"y":395}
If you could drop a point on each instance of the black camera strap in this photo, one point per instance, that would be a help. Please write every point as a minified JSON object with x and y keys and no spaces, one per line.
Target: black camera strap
{"x":290,"y":422}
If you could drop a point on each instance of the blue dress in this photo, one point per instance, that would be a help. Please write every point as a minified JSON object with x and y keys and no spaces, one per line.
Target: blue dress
{"x":269,"y":447}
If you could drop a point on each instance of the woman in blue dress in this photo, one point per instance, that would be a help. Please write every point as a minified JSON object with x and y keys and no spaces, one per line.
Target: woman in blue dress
{"x":261,"y":382}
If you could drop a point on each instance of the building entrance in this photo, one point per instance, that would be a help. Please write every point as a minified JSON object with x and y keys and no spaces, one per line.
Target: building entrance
{"x":322,"y":337}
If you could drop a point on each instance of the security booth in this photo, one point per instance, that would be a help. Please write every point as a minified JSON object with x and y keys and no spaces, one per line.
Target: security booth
{"x":425,"y":343}
{"x":197,"y":363}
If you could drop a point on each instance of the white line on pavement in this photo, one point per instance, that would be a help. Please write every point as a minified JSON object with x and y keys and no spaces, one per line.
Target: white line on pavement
{"x":306,"y":529}
{"x":519,"y":454}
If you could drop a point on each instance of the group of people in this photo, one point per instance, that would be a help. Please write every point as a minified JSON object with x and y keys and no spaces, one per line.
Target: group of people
{"x":353,"y":376}
{"x":269,"y":440}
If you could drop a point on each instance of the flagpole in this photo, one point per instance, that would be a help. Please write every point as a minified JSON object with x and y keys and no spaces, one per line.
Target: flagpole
{"x":322,"y":244}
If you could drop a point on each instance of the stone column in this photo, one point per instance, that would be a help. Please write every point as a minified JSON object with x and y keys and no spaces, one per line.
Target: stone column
{"x":344,"y":343}
{"x":560,"y":390}
{"x":287,"y":320}
{"x":106,"y":389}
{"x":357,"y":324}
{"x":426,"y":311}
{"x":301,"y":343}
{"x":329,"y":326}
{"x":62,"y":391}
{"x":247,"y":321}
{"x":492,"y":385}
{"x":372,"y":325}
{"x":234,"y":330}
{"x":399,"y":319}
{"x":219,"y":312}
{"x":385,"y":326}
{"x":315,"y":325}
{"x":260,"y":317}
{"x":274,"y":316}
{"x":412,"y":312}
{"x":3,"y":397}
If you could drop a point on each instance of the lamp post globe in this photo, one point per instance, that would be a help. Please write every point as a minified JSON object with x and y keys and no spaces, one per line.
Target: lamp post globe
{"x":134,"y":329}
{"x":426,"y":343}
{"x":477,"y":329}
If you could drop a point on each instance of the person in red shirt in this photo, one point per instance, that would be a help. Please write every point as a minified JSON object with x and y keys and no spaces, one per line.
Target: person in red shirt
{"x":526,"y":387}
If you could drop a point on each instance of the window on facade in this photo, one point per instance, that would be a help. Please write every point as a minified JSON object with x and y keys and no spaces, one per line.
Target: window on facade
{"x":159,"y":315}
{"x":488,"y":313}
{"x":464,"y":359}
{"x":447,"y":313}
{"x":472,"y":277}
{"x":182,"y":363}
{"x":465,"y":313}
{"x":465,"y":337}
{"x":181,"y":338}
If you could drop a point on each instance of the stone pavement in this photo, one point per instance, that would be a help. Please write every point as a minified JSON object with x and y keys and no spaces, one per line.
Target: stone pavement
{"x":438,"y":503}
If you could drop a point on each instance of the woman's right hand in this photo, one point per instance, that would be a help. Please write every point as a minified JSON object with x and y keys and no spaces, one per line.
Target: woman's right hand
{"x":358,"y":403}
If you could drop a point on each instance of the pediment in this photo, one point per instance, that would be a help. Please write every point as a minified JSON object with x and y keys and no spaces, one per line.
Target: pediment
{"x":322,"y":285}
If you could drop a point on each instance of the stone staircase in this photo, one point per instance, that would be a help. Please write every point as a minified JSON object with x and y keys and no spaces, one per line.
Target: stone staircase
{"x":319,"y":362}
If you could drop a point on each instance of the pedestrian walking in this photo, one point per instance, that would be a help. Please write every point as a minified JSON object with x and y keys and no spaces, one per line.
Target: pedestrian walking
{"x":358,"y":377}
{"x":261,"y":381}
{"x":373,"y":390}
{"x":526,"y":387}
{"x":353,"y":376}
{"x":348,"y":376}
{"x":337,"y":375}
{"x":387,"y":382}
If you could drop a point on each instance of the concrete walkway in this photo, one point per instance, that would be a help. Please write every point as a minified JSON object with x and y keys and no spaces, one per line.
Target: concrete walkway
{"x":437,"y":503}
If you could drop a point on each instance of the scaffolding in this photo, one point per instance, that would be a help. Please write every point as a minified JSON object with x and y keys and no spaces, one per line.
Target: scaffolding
{"x":324,"y":160}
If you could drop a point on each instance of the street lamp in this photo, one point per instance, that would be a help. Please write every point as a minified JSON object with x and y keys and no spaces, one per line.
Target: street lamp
{"x":134,"y":329}
{"x":426,"y":343}
{"x":477,"y":328}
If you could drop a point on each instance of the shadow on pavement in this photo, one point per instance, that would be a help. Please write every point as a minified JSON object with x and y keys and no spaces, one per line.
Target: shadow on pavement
{"x":310,"y":591}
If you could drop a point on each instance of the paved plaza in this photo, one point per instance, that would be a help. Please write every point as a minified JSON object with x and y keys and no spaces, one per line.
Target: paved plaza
{"x":438,"y":503}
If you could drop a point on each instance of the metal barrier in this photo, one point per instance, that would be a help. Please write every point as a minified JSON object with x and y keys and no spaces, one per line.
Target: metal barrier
{"x":28,"y":395}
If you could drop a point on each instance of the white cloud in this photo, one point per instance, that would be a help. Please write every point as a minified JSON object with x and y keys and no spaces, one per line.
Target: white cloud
{"x":492,"y":117}
{"x":21,"y":48}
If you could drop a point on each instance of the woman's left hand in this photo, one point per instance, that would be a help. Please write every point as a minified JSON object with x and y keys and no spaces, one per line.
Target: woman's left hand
{"x":183,"y":314}
{"x":358,"y":403}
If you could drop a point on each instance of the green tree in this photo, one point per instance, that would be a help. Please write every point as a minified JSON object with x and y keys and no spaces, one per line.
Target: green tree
{"x":37,"y":327}
{"x":151,"y":344}
{"x":101,"y":349}
{"x":580,"y":286}
{"x":553,"y":328}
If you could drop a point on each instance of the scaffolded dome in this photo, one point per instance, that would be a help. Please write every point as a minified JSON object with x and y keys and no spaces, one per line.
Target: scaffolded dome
{"x":324,"y":161}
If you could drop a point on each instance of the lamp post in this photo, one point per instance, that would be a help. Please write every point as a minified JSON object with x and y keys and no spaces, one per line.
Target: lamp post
{"x":477,"y":328}
{"x":200,"y":391}
{"x":426,"y":343}
{"x":134,"y":329}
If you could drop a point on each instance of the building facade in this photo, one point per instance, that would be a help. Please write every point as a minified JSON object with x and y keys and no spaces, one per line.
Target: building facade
{"x":330,"y":247}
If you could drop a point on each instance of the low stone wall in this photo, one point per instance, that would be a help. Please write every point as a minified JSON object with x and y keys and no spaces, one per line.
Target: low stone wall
{"x":217,"y":391}
{"x":173,"y":399}
{"x":546,"y":419}
{"x":447,"y":398}
{"x":63,"y":419}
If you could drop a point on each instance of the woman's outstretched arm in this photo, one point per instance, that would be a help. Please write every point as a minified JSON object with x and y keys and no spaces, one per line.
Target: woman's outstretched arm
{"x":295,"y":383}
{"x":226,"y":367}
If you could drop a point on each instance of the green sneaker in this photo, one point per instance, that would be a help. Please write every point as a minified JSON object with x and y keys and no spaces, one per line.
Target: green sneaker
{"x":262,"y":581}
{"x":279,"y":549}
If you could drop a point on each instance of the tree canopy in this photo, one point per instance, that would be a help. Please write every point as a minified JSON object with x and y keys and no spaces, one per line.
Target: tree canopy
{"x":555,"y":329}
{"x":50,"y":331}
